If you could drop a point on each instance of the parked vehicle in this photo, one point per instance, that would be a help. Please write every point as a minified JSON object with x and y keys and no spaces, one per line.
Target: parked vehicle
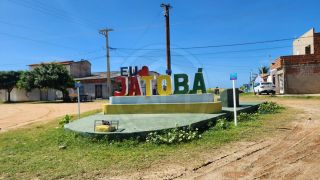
{"x":265,"y":87}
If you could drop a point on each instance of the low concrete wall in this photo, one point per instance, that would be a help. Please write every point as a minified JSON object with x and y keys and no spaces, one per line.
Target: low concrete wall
{"x":206,"y":107}
{"x":179,"y":98}
{"x":20,"y":95}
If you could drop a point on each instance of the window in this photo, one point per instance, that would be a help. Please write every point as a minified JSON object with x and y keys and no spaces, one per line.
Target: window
{"x":274,"y":79}
{"x":81,"y":90}
{"x":308,"y":49}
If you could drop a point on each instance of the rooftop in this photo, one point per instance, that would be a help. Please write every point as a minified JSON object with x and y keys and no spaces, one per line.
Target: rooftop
{"x":100,"y":75}
{"x":59,"y":62}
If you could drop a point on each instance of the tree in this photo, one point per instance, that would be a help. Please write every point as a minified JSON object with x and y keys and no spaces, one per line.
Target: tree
{"x":26,"y":81}
{"x":264,"y":70}
{"x":45,"y":76}
{"x":8,"y":80}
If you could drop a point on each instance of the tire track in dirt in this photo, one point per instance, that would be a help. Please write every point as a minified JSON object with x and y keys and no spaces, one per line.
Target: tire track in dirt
{"x":294,"y":154}
{"x":286,"y":158}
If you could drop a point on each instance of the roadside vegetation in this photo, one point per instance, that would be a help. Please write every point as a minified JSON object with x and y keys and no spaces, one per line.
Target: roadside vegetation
{"x":252,"y":96}
{"x":45,"y":76}
{"x":8,"y":80}
{"x":47,"y":151}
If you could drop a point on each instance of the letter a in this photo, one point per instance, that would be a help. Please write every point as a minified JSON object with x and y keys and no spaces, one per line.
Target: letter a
{"x":134,"y":87}
{"x":198,"y":83}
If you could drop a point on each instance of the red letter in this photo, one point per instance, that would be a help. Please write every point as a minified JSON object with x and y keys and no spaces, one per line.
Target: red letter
{"x":123,"y":84}
{"x":134,"y":88}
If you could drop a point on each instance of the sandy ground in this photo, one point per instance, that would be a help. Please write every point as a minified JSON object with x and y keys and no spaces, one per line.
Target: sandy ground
{"x":296,"y":155}
{"x":20,"y":114}
{"x":292,"y":154}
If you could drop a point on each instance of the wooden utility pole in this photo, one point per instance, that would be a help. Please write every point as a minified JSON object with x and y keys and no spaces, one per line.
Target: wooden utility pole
{"x":109,"y":86}
{"x":166,"y":8}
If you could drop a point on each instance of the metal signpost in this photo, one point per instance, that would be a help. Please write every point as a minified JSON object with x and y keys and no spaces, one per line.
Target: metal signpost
{"x":78,"y":85}
{"x":233,"y":77}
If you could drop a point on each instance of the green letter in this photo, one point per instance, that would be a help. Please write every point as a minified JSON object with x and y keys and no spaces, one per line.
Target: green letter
{"x":198,"y":83}
{"x":183,"y":83}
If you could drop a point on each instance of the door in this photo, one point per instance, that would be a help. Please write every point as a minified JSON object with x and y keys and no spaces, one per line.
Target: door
{"x":281,"y":83}
{"x":98,"y":93}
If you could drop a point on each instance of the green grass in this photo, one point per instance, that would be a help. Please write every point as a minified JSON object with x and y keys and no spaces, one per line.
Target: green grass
{"x":246,"y":94}
{"x":252,"y":95}
{"x":34,"y":152}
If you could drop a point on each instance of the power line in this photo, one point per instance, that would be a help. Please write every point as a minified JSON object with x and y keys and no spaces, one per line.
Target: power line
{"x":218,"y":52}
{"x":35,"y":40}
{"x":48,"y":11}
{"x":215,"y":46}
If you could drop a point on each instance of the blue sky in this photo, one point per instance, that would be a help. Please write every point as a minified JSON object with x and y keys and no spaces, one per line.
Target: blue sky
{"x":34,"y":31}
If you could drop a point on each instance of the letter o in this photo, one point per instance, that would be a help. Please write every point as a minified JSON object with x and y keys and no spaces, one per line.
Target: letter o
{"x":160,"y":89}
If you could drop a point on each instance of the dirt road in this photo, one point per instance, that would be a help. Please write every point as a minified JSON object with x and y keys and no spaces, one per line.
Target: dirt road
{"x":293,"y":152}
{"x":296,"y":155}
{"x":20,"y":114}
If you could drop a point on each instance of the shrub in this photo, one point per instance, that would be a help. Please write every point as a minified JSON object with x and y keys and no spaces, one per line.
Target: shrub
{"x":173,"y":136}
{"x":247,"y":116}
{"x":210,"y":90}
{"x":65,"y":120}
{"x":269,"y":107}
{"x":222,"y":124}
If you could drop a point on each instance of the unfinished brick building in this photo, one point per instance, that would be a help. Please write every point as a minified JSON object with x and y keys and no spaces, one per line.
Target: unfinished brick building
{"x":300,"y":72}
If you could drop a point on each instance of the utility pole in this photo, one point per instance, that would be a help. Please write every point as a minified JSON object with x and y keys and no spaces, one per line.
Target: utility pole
{"x":105,"y":32}
{"x":250,"y":80}
{"x":166,"y":8}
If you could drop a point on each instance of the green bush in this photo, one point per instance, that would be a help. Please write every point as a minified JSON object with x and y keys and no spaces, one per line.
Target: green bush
{"x":247,"y":117}
{"x":65,"y":120}
{"x":210,"y":90}
{"x":269,"y":107}
{"x":222,"y":124}
{"x":173,"y":136}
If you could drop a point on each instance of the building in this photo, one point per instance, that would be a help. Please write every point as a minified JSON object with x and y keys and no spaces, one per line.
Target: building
{"x":94,"y":85}
{"x":77,"y":69}
{"x":299,"y":73}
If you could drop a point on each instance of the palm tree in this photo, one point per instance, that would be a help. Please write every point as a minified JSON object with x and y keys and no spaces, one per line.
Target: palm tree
{"x":263,"y":71}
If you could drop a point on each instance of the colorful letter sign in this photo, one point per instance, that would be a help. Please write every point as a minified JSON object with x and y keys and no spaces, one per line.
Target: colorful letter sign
{"x":130,"y":83}
{"x":198,"y":83}
{"x":134,"y":87}
{"x":148,"y":80}
{"x":164,"y":89}
{"x":123,"y":81}
{"x":183,"y":83}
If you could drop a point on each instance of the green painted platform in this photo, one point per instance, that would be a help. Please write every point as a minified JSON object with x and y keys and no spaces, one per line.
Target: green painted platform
{"x":141,"y":124}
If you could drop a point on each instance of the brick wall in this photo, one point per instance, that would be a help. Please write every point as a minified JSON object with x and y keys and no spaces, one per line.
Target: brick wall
{"x":301,"y":72}
{"x":302,"y":78}
{"x":317,"y":43}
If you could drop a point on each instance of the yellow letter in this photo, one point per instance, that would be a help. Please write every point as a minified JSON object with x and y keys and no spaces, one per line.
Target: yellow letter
{"x":168,"y":88}
{"x":148,"y":79}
